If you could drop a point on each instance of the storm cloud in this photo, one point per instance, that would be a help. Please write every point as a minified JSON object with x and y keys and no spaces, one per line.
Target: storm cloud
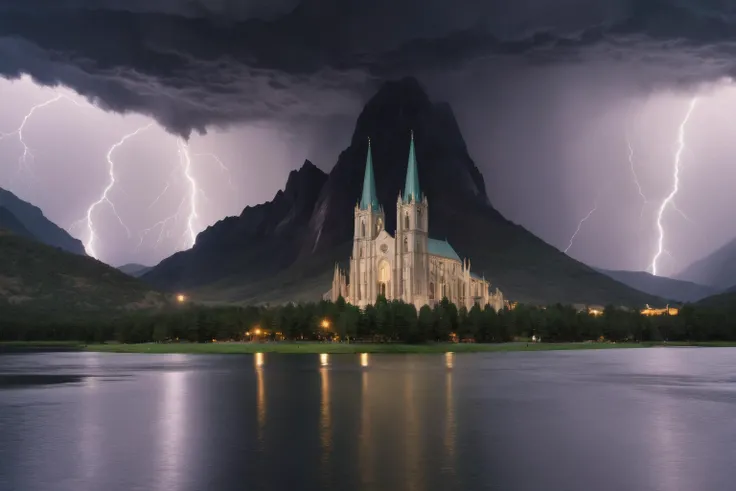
{"x":194,"y":64}
{"x":549,"y":95}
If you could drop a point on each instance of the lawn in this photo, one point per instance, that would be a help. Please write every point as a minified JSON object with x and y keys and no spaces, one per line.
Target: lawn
{"x":313,"y":347}
{"x":336,"y":348}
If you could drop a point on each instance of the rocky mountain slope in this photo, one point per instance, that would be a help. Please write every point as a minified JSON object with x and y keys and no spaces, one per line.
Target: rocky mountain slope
{"x":43,"y":229}
{"x":284,"y":249}
{"x":717,"y":269}
{"x":666,"y":288}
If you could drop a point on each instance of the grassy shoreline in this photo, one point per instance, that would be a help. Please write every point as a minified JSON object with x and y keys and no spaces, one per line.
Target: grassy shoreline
{"x":336,"y":348}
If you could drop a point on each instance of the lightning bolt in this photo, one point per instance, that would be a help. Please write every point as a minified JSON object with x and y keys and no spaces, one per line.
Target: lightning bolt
{"x":669,"y":200}
{"x":105,"y":198}
{"x":186,"y":162}
{"x":580,"y":224}
{"x":632,"y":166}
{"x":27,"y":152}
{"x":188,"y":203}
{"x":223,"y":167}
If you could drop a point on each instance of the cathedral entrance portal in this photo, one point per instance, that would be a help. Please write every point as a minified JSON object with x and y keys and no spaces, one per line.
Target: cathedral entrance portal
{"x":384,"y":279}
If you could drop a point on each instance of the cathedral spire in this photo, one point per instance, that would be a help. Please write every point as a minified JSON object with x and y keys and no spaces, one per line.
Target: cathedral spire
{"x":411,"y":188}
{"x":369,"y":198}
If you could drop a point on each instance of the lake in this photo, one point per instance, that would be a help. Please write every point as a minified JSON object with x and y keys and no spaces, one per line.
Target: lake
{"x":629,"y":419}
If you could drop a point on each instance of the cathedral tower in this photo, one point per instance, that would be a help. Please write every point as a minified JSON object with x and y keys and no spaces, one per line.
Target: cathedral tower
{"x":369,"y":222}
{"x":412,"y":225}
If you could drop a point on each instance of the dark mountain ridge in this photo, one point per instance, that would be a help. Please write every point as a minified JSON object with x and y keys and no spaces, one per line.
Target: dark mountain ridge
{"x":40,"y":227}
{"x":285,"y":249}
{"x":263,"y":239}
{"x":9,"y":222}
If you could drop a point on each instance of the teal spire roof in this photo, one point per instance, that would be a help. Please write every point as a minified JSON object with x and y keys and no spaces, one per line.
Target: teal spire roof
{"x":411,"y":188}
{"x":369,"y":199}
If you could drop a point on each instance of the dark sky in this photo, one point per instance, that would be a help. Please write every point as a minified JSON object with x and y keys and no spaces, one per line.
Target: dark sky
{"x":547,"y":92}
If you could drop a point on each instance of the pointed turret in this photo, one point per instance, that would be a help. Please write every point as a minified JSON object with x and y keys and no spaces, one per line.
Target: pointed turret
{"x":411,"y":188}
{"x":369,"y":199}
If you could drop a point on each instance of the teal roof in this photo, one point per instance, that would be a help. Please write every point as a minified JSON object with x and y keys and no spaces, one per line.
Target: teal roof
{"x":411,"y":188}
{"x":477,"y":277}
{"x":369,"y":199}
{"x":441,"y":248}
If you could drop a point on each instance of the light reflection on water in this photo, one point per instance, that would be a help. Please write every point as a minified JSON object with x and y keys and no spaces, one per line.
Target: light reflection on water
{"x":417,"y":422}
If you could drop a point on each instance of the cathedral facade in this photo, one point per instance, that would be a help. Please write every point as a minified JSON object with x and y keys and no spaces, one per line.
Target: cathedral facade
{"x":410,"y":265}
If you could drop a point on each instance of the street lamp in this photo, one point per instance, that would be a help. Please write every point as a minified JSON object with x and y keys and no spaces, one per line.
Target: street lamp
{"x":325,"y":324}
{"x":180,"y":298}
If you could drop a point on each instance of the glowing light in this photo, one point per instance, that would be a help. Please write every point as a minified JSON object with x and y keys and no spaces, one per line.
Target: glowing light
{"x":186,"y":161}
{"x":324,"y":359}
{"x":325,"y":324}
{"x":364,"y":360}
{"x":580,"y":225}
{"x":259,"y":360}
{"x":181,"y":298}
{"x":257,"y":332}
{"x":89,"y":245}
{"x":449,"y":358}
{"x":669,"y":200}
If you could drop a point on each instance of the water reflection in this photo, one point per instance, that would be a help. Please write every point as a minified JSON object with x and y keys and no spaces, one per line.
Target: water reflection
{"x":364,"y":360}
{"x":450,"y":422}
{"x":366,"y":449}
{"x":325,"y":423}
{"x":449,"y":358}
{"x":413,"y":434}
{"x":324,"y":359}
{"x":171,"y":421}
{"x":90,"y":433}
{"x":258,"y":361}
{"x":666,"y":438}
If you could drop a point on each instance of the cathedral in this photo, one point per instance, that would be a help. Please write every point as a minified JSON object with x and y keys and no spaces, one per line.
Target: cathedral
{"x":408,"y":266}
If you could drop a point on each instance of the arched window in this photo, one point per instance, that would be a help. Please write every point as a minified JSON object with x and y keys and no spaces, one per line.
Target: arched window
{"x":406,"y":221}
{"x":362,"y":228}
{"x":431,"y":291}
{"x":361,"y":251}
{"x":419,"y":218}
{"x":384,"y":273}
{"x":406,"y":244}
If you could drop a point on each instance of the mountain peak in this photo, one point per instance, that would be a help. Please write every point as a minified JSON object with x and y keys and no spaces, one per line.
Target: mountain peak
{"x":40,"y":227}
{"x":403,"y":102}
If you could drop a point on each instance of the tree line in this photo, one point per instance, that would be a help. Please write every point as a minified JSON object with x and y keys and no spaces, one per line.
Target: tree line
{"x":386,"y":321}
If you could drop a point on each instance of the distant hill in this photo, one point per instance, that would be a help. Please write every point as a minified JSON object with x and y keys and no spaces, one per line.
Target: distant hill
{"x":9,"y":222}
{"x":666,"y":288}
{"x":40,"y":280}
{"x":717,"y":269}
{"x":38,"y":225}
{"x":286,"y":249}
{"x":134,"y":270}
{"x":725,"y":301}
